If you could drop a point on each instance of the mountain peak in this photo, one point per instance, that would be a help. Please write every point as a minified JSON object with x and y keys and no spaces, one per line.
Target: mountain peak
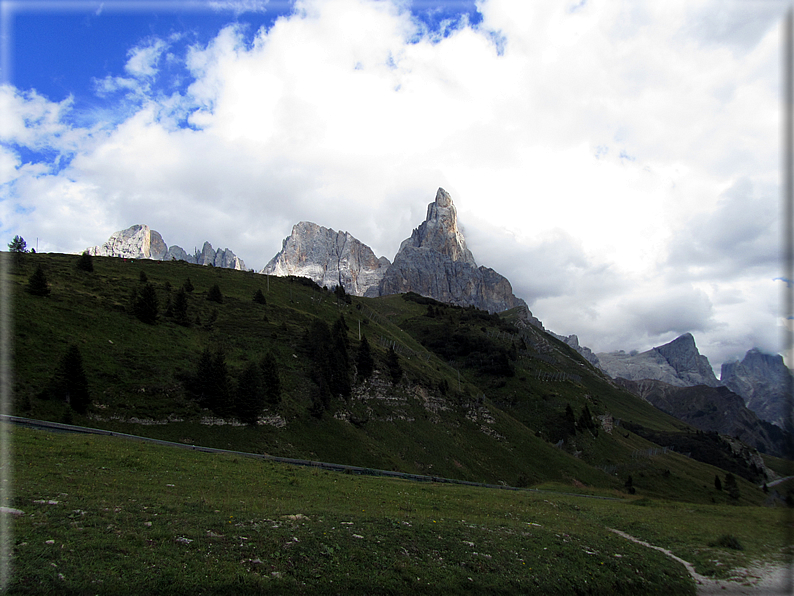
{"x":439,"y":232}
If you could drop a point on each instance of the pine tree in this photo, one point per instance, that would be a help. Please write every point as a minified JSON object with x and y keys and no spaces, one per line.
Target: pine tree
{"x":18,"y":245}
{"x":37,"y":283}
{"x":145,"y":306}
{"x":271,"y":379}
{"x":70,"y":383}
{"x":250,"y":395}
{"x":393,"y":365}
{"x":142,"y":277}
{"x":365,"y":364}
{"x":180,"y":308}
{"x":188,"y":286}
{"x":717,"y":482}
{"x":84,"y":263}
{"x":211,"y":386}
{"x":570,"y":420}
{"x":214,"y":294}
{"x":259,"y":297}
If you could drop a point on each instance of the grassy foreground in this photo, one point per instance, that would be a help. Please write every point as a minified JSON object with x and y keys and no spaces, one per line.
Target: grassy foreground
{"x":104,"y":515}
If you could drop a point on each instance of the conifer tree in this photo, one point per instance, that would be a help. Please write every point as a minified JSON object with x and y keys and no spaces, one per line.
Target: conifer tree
{"x":188,"y":286}
{"x":180,"y":308}
{"x":214,"y":294}
{"x":211,"y":385}
{"x":69,"y":382}
{"x":145,"y":306}
{"x":717,"y":482}
{"x":37,"y":283}
{"x":365,"y":364}
{"x":142,"y":277}
{"x":85,"y":263}
{"x":393,"y":365}
{"x":271,"y":379}
{"x":250,"y":395}
{"x":259,"y":297}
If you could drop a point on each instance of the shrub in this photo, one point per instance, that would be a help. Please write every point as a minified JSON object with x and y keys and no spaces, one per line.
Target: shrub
{"x":728,"y":541}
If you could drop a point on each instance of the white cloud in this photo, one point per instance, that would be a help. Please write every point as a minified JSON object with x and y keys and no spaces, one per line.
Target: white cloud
{"x":599,"y":158}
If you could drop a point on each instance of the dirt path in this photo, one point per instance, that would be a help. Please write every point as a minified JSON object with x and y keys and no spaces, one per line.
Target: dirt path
{"x":757,"y":580}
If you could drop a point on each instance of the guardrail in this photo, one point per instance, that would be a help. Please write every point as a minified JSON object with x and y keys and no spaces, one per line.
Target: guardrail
{"x":60,"y":427}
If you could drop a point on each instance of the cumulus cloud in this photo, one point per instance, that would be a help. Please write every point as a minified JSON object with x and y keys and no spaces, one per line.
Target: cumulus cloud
{"x":617,"y":162}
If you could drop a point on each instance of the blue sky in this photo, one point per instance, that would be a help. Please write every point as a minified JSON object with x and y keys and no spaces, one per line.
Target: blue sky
{"x":617,"y":160}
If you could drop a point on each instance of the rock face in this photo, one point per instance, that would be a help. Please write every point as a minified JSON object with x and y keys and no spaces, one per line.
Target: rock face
{"x":141,"y":242}
{"x":677,"y":363}
{"x":764,"y":382}
{"x":137,"y":242}
{"x":712,"y":409}
{"x":573,"y":341}
{"x":329,"y":258}
{"x":435,"y":262}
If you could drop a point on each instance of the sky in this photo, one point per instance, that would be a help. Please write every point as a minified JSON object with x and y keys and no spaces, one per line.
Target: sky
{"x":618,"y":161}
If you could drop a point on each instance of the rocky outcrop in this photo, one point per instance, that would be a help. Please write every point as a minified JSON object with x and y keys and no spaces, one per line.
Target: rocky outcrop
{"x":573,"y":341}
{"x":711,"y":409}
{"x":435,"y":262}
{"x":136,"y":242}
{"x":765,"y":384}
{"x":329,"y":258}
{"x":677,"y":363}
{"x":141,"y":242}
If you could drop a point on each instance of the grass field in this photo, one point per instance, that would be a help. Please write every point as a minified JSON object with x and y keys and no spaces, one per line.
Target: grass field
{"x":104,"y":515}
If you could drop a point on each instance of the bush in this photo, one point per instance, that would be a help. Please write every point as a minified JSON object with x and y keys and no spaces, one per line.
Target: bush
{"x":728,"y":541}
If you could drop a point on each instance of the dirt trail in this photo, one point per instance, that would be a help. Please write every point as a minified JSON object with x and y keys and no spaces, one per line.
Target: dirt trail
{"x":767,"y":579}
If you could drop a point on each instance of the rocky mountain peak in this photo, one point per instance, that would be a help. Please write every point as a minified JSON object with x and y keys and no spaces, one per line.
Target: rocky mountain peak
{"x":683,"y":356}
{"x":678,"y":363}
{"x":763,"y":381}
{"x":141,"y":242}
{"x":439,"y":232}
{"x":329,"y":258}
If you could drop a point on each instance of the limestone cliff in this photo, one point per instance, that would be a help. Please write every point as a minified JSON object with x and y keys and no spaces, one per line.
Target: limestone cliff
{"x":435,"y":262}
{"x":141,"y":242}
{"x":330,"y":258}
{"x":677,"y":363}
{"x":764,"y":382}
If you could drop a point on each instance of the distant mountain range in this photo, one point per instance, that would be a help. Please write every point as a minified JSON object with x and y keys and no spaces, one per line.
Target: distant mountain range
{"x":141,"y":242}
{"x":750,"y":397}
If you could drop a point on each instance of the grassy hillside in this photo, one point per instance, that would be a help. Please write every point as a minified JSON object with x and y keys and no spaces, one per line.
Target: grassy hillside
{"x":478,"y":398}
{"x":103,"y":515}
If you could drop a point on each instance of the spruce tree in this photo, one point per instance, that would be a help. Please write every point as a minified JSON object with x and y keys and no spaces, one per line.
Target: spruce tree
{"x":180,"y":308}
{"x":731,"y":487}
{"x":271,"y":379}
{"x":70,"y":383}
{"x":188,"y":286}
{"x":211,"y":385}
{"x":717,"y":482}
{"x":250,"y":395}
{"x":393,"y":365}
{"x":145,"y":306}
{"x":365,"y":364}
{"x":259,"y":297}
{"x":37,"y":283}
{"x":85,"y":263}
{"x":214,"y":294}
